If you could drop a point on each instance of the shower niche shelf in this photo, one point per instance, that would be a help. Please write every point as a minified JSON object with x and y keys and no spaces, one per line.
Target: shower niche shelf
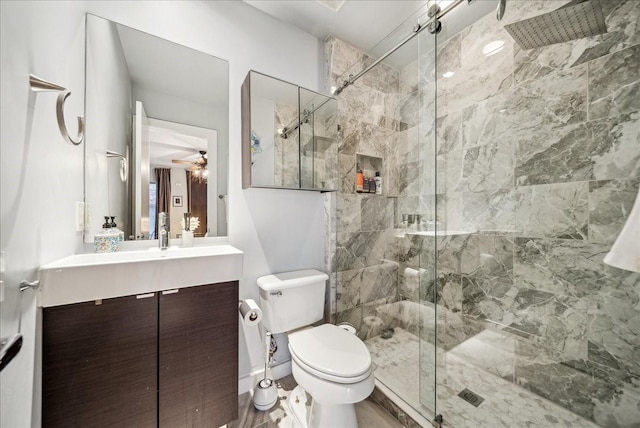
{"x":369,"y":166}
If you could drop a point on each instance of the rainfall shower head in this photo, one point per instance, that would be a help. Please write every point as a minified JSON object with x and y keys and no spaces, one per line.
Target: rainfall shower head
{"x":575,"y":20}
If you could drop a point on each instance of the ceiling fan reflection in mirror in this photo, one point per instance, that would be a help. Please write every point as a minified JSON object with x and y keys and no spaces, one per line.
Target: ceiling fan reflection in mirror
{"x":198,"y":167}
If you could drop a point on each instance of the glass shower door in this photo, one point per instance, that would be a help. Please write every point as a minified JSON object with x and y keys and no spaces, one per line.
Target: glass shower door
{"x":427,"y":235}
{"x":538,"y":165}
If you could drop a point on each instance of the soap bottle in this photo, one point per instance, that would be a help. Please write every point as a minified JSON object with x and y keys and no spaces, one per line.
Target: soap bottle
{"x":378,"y":181}
{"x":114,"y":228}
{"x":359,"y":180}
{"x":106,"y":241}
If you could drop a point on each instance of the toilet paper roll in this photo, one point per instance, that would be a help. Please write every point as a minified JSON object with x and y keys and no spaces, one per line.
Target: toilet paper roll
{"x":250,"y":312}
{"x":348,"y":327}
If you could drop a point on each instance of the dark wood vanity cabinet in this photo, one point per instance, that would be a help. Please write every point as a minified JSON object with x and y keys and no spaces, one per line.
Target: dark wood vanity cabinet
{"x":100,"y":363}
{"x":167,"y":359}
{"x":198,"y":356}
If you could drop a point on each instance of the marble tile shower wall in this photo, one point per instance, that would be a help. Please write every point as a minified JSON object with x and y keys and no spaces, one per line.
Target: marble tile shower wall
{"x":365,"y":259}
{"x":538,"y":155}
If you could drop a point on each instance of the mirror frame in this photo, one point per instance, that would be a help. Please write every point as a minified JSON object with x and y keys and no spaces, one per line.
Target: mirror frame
{"x":246,"y":134}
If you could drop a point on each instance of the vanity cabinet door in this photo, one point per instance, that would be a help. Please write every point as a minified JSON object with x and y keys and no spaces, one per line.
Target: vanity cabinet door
{"x":100,"y":364}
{"x":198,"y":356}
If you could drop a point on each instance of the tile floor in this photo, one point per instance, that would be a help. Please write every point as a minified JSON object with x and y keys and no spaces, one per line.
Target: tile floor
{"x":506,"y":404}
{"x":370,"y":414}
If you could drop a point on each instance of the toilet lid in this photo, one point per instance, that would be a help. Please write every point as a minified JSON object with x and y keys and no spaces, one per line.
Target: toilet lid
{"x":343,"y":354}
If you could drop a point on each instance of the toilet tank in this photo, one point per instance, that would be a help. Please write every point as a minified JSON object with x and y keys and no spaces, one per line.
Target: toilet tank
{"x":291,"y":300}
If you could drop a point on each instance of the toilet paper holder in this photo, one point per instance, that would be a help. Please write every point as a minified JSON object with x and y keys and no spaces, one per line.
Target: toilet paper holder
{"x":250,"y":312}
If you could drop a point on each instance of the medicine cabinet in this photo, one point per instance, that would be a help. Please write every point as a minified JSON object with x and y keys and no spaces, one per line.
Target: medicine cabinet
{"x":289,"y":136}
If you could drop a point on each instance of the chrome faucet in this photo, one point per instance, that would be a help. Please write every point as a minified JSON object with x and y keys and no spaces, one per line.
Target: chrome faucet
{"x":163,"y":231}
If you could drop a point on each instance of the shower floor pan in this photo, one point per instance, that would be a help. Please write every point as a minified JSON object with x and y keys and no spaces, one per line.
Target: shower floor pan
{"x":505,"y":403}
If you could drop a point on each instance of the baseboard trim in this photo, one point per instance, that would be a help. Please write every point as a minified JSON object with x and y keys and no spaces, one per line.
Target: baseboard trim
{"x":247,"y":382}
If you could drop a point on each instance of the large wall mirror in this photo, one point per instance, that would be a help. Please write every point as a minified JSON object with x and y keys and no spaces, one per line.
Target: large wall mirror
{"x":157,"y":130}
{"x":289,"y":136}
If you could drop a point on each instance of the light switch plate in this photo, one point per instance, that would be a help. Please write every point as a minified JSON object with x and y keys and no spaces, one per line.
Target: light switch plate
{"x":87,"y":216}
{"x":80,"y":216}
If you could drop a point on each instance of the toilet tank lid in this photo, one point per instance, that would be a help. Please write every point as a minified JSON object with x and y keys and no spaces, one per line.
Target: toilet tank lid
{"x":279,"y":281}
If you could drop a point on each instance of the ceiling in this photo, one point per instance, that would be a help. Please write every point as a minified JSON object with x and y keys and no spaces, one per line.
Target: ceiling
{"x":373,"y":26}
{"x":361,"y":23}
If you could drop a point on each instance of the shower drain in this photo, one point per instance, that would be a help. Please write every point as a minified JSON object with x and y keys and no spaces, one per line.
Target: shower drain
{"x":470,"y":397}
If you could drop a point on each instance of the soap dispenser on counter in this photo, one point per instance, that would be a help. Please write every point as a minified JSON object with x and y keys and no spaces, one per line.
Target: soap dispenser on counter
{"x":107,"y":240}
{"x":114,"y":228}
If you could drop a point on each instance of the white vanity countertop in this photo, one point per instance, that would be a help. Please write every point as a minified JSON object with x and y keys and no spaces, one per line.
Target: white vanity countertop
{"x":87,"y":277}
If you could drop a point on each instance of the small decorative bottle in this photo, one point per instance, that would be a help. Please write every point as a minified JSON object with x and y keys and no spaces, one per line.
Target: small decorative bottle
{"x":187,"y":233}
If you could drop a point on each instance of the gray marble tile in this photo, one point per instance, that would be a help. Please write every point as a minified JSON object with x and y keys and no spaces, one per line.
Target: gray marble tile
{"x":565,"y":266}
{"x":490,"y":211}
{"x":408,"y":179}
{"x":373,"y":212}
{"x":614,"y":83}
{"x":342,"y":56}
{"x":554,"y":210}
{"x":620,"y":137}
{"x":352,"y":316}
{"x":348,"y":212}
{"x":348,"y":287}
{"x":594,"y":150}
{"x":347,"y":173}
{"x":556,"y":155}
{"x":480,"y":77}
{"x":345,"y":258}
{"x":610,"y":203}
{"x":559,"y":98}
{"x":486,"y":168}
{"x":449,"y":57}
{"x":449,"y":130}
{"x":487,"y":261}
{"x":408,"y":108}
{"x":379,"y":282}
{"x":408,"y":78}
{"x":362,"y":249}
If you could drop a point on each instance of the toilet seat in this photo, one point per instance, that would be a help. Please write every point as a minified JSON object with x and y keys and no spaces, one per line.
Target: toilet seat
{"x":344,"y":357}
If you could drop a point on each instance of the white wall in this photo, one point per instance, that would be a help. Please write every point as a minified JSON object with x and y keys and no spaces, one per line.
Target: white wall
{"x":178,"y":188}
{"x":42,"y":176}
{"x":108,"y":95}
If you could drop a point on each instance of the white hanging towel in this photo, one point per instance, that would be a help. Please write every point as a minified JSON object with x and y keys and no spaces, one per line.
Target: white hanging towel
{"x":625,"y":252}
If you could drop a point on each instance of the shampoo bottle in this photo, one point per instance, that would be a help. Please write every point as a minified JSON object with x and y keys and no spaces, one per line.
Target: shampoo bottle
{"x":378,"y":181}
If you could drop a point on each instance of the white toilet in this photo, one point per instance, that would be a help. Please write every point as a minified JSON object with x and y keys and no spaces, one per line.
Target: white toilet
{"x":328,"y":362}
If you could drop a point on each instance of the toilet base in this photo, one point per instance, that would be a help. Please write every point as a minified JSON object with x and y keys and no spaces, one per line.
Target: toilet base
{"x":318,"y":415}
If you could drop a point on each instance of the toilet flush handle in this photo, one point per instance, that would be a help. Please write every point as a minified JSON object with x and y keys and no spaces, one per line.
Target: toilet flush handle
{"x":276,"y":293}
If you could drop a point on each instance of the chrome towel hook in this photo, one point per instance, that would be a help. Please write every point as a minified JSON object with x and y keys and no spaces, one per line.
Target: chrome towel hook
{"x":40,"y":85}
{"x":25,"y":285}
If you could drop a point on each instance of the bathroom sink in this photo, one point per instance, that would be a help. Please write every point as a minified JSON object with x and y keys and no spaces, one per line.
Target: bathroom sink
{"x":86,"y":277}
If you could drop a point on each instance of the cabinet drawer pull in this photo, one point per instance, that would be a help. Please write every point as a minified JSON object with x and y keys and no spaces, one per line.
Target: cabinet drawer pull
{"x":145,"y":296}
{"x":174,"y":291}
